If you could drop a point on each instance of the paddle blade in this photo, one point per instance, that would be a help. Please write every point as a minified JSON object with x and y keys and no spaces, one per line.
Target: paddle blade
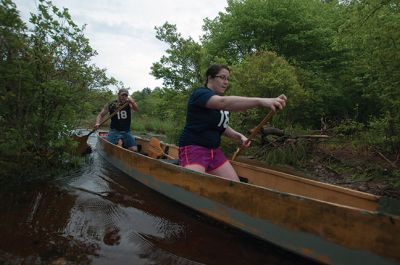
{"x":83,"y":147}
{"x":155,"y":148}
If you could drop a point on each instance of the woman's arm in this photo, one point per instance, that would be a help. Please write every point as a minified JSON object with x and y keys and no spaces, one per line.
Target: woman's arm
{"x":236,"y":103}
{"x":231,"y":133}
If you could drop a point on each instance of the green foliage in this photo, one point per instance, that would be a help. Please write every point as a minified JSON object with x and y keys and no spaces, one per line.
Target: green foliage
{"x":287,"y":27}
{"x":349,"y":127}
{"x":371,"y":34}
{"x":163,"y":104}
{"x":266,"y":75}
{"x":300,"y":31}
{"x":384,"y":134}
{"x":181,"y":69}
{"x":45,"y":85}
{"x":160,"y":111}
{"x":169,"y":128}
{"x":96,"y":100}
{"x":293,"y":155}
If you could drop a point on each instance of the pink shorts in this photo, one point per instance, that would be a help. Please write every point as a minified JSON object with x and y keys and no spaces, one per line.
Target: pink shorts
{"x":210,"y":159}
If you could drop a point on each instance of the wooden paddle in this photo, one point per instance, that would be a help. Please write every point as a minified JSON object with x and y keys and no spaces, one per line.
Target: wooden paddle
{"x":82,"y":140}
{"x":156,"y":149}
{"x":254,"y":132}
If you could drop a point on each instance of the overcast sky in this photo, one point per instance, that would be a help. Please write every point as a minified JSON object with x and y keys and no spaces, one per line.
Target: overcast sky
{"x":123,"y":34}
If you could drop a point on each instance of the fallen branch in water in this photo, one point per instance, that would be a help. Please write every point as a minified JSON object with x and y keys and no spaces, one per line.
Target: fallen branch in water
{"x":387,"y":160}
{"x":281,"y":138}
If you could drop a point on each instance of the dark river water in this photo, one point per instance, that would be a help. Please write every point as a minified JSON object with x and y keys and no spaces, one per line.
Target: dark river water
{"x":99,"y":215}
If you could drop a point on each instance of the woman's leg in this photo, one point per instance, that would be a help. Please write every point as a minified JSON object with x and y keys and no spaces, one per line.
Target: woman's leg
{"x":194,"y":157}
{"x":196,"y":167}
{"x":226,"y":171}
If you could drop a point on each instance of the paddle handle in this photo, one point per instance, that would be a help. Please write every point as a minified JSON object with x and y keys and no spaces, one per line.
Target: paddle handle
{"x":109,"y":117}
{"x":254,"y":132}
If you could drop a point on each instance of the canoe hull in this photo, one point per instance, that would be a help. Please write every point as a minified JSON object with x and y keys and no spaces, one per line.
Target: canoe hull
{"x":322,"y":231}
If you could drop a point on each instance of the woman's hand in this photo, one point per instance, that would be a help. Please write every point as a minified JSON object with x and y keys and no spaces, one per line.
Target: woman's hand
{"x":274,"y":104}
{"x":244,"y":141}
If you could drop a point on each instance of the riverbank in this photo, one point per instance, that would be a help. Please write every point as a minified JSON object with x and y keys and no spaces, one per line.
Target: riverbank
{"x":364,"y":170}
{"x":342,"y":164}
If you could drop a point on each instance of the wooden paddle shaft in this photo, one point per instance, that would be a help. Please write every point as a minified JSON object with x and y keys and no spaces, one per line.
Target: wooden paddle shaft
{"x":254,"y":132}
{"x":258,"y":128}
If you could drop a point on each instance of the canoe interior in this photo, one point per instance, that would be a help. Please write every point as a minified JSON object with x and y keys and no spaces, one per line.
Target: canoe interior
{"x":288,"y":183}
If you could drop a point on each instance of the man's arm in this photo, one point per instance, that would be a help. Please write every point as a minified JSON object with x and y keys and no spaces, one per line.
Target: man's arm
{"x":100,"y":116}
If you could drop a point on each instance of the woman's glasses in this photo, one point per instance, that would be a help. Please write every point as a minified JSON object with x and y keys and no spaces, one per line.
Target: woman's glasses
{"x":223,"y":77}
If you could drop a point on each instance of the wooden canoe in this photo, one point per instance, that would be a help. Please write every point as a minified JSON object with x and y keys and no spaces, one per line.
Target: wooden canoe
{"x":324,"y":222}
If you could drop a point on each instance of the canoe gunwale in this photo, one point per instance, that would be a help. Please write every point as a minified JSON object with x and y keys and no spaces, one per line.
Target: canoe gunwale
{"x":343,"y":190}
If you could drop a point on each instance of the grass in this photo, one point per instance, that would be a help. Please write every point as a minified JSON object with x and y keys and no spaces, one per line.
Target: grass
{"x":170,"y":129}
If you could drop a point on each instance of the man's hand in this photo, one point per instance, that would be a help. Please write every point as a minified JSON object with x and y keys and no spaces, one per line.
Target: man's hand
{"x":132,"y":104}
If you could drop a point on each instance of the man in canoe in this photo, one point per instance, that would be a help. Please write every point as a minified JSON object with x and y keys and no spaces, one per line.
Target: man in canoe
{"x":120,"y":127}
{"x":207,"y":119}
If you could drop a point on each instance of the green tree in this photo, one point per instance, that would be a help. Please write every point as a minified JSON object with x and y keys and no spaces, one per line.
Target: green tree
{"x":265,"y":74}
{"x":181,"y":69}
{"x":301,"y":31}
{"x":371,"y":34}
{"x":46,"y":81}
{"x":165,"y":105}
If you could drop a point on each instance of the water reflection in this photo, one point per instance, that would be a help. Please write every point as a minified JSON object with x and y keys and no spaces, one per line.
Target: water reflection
{"x":99,"y":215}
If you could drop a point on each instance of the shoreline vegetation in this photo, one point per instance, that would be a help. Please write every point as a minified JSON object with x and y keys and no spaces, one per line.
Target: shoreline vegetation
{"x":338,"y":63}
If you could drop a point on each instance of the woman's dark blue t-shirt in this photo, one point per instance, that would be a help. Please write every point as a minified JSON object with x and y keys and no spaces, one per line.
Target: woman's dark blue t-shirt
{"x":204,"y":126}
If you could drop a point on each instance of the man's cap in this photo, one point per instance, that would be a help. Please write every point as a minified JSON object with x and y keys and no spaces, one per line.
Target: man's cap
{"x":123,"y":91}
